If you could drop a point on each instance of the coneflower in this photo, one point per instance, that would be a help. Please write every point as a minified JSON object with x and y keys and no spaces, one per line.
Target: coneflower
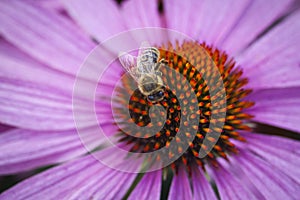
{"x":227,"y":127}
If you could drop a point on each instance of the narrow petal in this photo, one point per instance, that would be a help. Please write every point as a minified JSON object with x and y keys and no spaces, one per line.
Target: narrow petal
{"x":276,"y":142}
{"x":23,"y":150}
{"x":180,"y":187}
{"x":17,"y":65}
{"x":257,"y":16}
{"x":50,"y":4}
{"x":5,"y":127}
{"x":135,"y":16}
{"x":281,"y":153}
{"x":199,"y":19}
{"x":143,"y":14}
{"x":113,"y":186}
{"x":277,"y":107}
{"x":224,"y":25}
{"x":231,"y":186}
{"x":104,"y":19}
{"x":101,"y":19}
{"x":202,"y":190}
{"x":29,"y":106}
{"x":271,"y":181}
{"x":84,"y":178}
{"x":33,"y":95}
{"x":272,"y":61}
{"x":149,"y":186}
{"x":44,"y":34}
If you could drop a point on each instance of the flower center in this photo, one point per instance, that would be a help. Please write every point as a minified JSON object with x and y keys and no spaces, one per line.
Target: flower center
{"x":192,"y":63}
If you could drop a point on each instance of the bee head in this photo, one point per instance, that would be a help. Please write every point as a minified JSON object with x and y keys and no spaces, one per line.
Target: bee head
{"x":151,"y":86}
{"x":156,"y":96}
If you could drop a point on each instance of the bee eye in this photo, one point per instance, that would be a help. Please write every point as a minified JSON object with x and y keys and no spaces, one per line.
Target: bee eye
{"x":160,"y":93}
{"x":151,"y":97}
{"x":156,"y":96}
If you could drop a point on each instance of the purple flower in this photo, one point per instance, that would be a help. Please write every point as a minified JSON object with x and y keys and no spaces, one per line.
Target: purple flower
{"x":43,"y":46}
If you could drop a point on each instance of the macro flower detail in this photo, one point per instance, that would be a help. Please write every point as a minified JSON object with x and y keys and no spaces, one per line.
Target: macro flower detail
{"x":201,"y":61}
{"x":74,"y":124}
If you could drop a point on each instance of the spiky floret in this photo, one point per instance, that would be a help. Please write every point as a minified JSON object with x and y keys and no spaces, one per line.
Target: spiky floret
{"x":193,"y":61}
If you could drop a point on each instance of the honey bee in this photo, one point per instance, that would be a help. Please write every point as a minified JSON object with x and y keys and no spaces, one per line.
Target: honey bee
{"x":145,"y":71}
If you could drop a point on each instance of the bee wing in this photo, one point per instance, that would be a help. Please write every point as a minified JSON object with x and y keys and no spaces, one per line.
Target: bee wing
{"x":140,"y":62}
{"x":144,"y":46}
{"x":145,"y":59}
{"x":129,"y":63}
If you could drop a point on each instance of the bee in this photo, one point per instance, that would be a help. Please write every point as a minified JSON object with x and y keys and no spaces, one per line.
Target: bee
{"x":145,"y":70}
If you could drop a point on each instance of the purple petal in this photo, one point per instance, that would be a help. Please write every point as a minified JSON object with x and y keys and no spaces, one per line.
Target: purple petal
{"x":224,"y":24}
{"x":232,"y":186}
{"x":275,"y":142}
{"x":101,"y":19}
{"x":277,"y":107}
{"x":272,"y":61}
{"x":23,"y":150}
{"x":221,"y":23}
{"x":33,"y":95}
{"x":281,"y":153}
{"x":17,"y":65}
{"x":135,"y":16}
{"x":149,"y":186}
{"x":201,"y":188}
{"x":44,"y":35}
{"x":114,"y":186}
{"x":253,"y":20}
{"x":271,"y":182}
{"x":84,"y":178}
{"x":180,"y":186}
{"x":205,"y":21}
{"x":29,"y":106}
{"x":50,"y":4}
{"x":142,"y":14}
{"x":5,"y":127}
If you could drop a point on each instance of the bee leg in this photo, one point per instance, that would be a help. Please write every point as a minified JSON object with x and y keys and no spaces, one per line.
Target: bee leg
{"x":160,"y":63}
{"x":158,"y":73}
{"x":163,"y":61}
{"x":157,"y":66}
